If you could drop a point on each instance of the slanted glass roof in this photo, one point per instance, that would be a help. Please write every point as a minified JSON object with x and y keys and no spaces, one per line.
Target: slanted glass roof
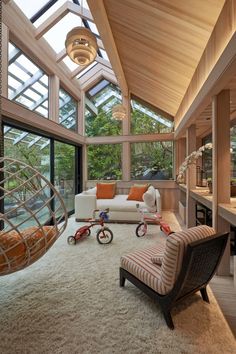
{"x":49,"y":12}
{"x":30,"y":8}
{"x":27,"y":84}
{"x":30,"y":140}
{"x":39,"y":11}
{"x":151,"y":114}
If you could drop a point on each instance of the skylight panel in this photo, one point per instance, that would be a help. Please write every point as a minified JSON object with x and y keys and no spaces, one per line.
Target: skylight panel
{"x":45,"y":104}
{"x":13,"y":83}
{"x":23,"y":100}
{"x":30,"y":7}
{"x":26,"y":63}
{"x":56,"y":36}
{"x":42,"y":110}
{"x":40,"y":88}
{"x":11,"y":48}
{"x":86,"y":69}
{"x":44,"y":79}
{"x":104,"y":54}
{"x":153,"y":115}
{"x":98,"y":87}
{"x":32,"y":94}
{"x":70,"y":64}
{"x":85,"y":4}
{"x":49,"y":12}
{"x":18,"y":72}
{"x":93,"y":28}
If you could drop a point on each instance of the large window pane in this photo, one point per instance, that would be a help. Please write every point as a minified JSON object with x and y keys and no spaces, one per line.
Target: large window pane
{"x":98,"y":110}
{"x":65,"y":172}
{"x":67,"y":110}
{"x":152,"y":160}
{"x":145,"y":120}
{"x":34,"y":150}
{"x":104,"y":161}
{"x":27,"y":84}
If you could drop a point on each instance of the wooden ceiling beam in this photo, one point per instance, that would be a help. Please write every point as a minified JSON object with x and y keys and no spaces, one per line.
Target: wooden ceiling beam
{"x":101,"y":20}
{"x":103,"y":62}
{"x":52,"y":20}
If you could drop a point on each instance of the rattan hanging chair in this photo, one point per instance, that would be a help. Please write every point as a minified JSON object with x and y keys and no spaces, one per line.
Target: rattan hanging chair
{"x":26,"y":201}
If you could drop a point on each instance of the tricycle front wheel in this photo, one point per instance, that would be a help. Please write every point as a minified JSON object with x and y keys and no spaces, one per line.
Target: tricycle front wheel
{"x":104,"y":236}
{"x":141,"y":229}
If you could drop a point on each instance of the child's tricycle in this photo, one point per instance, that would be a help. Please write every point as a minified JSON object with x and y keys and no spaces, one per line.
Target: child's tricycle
{"x":104,"y":234}
{"x":154,"y":218}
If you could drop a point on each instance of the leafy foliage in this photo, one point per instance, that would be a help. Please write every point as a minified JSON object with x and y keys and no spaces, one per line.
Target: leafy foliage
{"x":102,"y":124}
{"x":104,"y":161}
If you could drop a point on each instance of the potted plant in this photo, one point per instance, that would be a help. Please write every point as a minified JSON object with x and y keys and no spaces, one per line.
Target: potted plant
{"x":233,"y":187}
{"x":209,"y":183}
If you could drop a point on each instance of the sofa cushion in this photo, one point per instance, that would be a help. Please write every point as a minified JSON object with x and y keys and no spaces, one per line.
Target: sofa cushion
{"x":175,"y":249}
{"x":119,"y":203}
{"x":149,"y":197}
{"x":140,"y":265}
{"x":136,"y":193}
{"x":106,"y":190}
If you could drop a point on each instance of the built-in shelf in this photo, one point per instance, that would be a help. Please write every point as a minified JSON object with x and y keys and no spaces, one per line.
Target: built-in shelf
{"x":202,"y":195}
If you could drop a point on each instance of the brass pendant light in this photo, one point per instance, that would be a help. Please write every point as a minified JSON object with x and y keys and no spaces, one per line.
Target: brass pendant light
{"x":81,"y":44}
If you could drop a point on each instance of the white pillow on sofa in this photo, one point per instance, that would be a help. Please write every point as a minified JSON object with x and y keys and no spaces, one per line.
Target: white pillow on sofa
{"x":149,"y":197}
{"x":91,"y":191}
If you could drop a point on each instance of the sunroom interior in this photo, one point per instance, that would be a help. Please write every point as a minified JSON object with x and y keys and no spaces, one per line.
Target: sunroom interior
{"x":171,"y":65}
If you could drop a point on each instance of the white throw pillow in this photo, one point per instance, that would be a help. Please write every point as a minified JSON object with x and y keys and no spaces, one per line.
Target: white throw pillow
{"x":91,"y":191}
{"x":149,"y":197}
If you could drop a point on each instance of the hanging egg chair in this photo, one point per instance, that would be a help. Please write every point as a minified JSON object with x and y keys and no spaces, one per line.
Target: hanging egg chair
{"x":32,"y":215}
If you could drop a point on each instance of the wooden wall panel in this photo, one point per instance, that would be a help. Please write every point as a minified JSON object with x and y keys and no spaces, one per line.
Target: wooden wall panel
{"x":222,"y":33}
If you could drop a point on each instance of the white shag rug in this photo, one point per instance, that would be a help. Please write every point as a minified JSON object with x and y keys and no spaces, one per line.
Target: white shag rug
{"x":70,"y":302}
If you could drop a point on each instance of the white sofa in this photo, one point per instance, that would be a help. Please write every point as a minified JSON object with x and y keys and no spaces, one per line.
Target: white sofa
{"x":120,"y":209}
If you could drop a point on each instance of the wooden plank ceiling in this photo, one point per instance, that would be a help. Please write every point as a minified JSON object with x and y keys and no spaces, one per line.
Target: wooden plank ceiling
{"x":159,"y":43}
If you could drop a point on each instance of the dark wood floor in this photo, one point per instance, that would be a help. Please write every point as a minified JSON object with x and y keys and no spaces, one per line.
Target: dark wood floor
{"x":225,"y":293}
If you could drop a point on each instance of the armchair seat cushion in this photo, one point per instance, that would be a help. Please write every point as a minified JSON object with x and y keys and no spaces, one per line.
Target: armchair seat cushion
{"x":140,"y":265}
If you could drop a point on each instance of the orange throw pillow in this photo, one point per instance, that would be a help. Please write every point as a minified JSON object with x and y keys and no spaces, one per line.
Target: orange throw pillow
{"x":106,"y":190}
{"x":136,"y":193}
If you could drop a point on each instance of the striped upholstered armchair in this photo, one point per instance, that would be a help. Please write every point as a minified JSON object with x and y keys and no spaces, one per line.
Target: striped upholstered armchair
{"x":182,"y":267}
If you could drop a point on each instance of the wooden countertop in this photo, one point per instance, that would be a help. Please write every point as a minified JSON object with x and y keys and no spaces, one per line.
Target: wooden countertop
{"x":202,"y":195}
{"x":228,"y":211}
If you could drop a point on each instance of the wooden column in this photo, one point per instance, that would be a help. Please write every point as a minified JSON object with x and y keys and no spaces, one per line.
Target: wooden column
{"x":126,"y":161}
{"x":180,"y":153}
{"x":190,"y":177}
{"x":81,"y":114}
{"x":54,"y":86}
{"x":221,"y":167}
{"x":4,"y":68}
{"x":85,"y":165}
{"x":126,"y":121}
{"x":126,"y":145}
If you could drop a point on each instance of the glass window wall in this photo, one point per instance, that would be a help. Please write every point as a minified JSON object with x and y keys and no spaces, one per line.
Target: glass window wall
{"x":104,"y":162}
{"x":67,"y":110}
{"x":152,"y":160}
{"x":98,"y":110}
